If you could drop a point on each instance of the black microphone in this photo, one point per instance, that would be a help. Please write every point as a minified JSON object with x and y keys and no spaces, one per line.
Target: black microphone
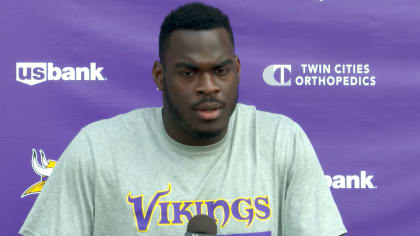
{"x":201,"y":225}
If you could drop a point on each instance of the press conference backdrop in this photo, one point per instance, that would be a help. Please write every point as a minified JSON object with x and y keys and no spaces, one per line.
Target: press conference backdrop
{"x":348,"y":71}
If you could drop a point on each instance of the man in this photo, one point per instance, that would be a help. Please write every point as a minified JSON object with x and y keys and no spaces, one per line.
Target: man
{"x":150,"y":170}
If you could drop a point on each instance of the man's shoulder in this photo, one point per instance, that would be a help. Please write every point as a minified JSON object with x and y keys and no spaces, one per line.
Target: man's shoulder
{"x":122,"y":122}
{"x":265,"y":118}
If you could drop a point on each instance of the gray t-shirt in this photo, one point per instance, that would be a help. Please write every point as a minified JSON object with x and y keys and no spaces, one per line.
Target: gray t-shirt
{"x":126,"y":176}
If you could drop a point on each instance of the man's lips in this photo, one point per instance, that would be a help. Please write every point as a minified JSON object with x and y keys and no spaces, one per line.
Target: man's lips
{"x":209,"y":111}
{"x":209,"y":114}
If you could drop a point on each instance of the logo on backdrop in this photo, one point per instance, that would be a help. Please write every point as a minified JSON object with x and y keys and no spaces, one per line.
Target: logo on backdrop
{"x":361,"y":181}
{"x":320,"y":75}
{"x":38,"y":72}
{"x":43,"y":169}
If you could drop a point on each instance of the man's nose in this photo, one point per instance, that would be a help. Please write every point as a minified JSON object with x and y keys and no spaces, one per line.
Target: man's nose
{"x":207,"y":84}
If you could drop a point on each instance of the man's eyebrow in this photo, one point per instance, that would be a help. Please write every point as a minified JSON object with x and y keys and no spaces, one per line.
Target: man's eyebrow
{"x":186,"y":65}
{"x":224,"y":63}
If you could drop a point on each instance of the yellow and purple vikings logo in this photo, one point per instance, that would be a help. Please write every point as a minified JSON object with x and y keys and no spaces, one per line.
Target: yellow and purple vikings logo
{"x":244,"y":209}
{"x":43,"y":169}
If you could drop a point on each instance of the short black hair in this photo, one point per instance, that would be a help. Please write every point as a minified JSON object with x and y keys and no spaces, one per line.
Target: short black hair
{"x":192,"y":16}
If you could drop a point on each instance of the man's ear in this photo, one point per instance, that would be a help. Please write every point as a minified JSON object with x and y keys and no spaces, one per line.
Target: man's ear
{"x":238,"y":67}
{"x":157,"y":73}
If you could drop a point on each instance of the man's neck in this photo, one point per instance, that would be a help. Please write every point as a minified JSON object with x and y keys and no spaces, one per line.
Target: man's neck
{"x":185,"y":136}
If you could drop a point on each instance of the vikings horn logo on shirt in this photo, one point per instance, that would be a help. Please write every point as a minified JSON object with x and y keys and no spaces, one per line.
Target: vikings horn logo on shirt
{"x":44,"y":170}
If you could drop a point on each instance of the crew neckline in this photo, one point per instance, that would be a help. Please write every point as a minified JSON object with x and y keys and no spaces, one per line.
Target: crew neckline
{"x":189,"y":149}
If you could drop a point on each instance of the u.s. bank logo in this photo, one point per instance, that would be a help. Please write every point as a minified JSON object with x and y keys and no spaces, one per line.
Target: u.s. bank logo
{"x":358,"y":181}
{"x":284,"y":80}
{"x":39,"y":72}
{"x":43,"y":169}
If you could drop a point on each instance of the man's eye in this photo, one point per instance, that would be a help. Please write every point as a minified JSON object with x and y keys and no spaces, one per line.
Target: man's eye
{"x":187,"y":73}
{"x":221,"y":70}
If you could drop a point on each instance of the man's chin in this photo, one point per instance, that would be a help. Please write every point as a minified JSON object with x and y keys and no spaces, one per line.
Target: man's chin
{"x":205,"y":134}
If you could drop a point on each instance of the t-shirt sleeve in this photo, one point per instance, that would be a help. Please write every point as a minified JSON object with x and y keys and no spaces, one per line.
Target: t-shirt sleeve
{"x":66,"y":204}
{"x":309,"y":206}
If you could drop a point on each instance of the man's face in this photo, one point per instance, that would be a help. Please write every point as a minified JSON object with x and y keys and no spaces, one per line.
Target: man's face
{"x":200,"y":81}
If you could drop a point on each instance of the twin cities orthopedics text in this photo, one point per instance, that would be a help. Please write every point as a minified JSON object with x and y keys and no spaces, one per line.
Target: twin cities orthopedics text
{"x":338,"y":74}
{"x":354,"y":75}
